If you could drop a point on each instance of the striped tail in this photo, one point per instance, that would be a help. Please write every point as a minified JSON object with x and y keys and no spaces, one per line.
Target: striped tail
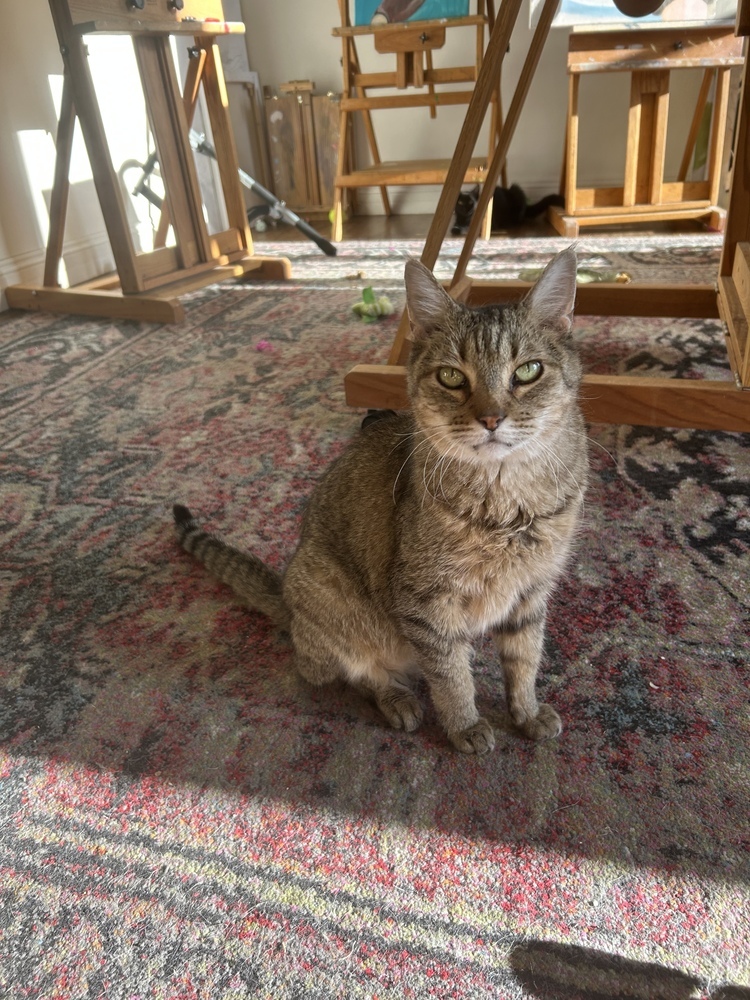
{"x":257,"y":585}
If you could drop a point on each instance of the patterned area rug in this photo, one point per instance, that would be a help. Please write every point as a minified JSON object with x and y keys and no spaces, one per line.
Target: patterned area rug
{"x":182,"y":817}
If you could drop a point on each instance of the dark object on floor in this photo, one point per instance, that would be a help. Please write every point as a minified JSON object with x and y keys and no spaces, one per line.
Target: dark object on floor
{"x":510,"y":207}
{"x":372,"y":415}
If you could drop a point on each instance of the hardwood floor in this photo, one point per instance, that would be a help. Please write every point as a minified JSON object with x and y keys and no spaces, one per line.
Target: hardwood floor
{"x":416,"y":227}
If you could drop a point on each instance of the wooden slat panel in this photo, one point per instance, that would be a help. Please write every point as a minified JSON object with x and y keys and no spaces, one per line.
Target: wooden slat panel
{"x":185,"y":29}
{"x":217,"y":101}
{"x":595,"y":199}
{"x":170,"y":131}
{"x":735,"y":302}
{"x":658,"y":138}
{"x":287,"y":150}
{"x":415,"y":39}
{"x":443,"y":99}
{"x":434,"y":76}
{"x":657,"y":48}
{"x":738,"y":212}
{"x":190,"y":92}
{"x":571,"y":147}
{"x":695,"y":124}
{"x":615,"y":299}
{"x":96,"y":303}
{"x":718,"y":127}
{"x":152,"y":15}
{"x":410,"y":172}
{"x":633,"y":143}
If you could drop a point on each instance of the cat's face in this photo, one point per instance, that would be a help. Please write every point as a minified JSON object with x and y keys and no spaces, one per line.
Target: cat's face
{"x":465,"y":205}
{"x":485,"y":383}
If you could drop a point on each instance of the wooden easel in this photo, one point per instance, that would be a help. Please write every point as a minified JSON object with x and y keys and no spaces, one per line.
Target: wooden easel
{"x":412,"y":44}
{"x":659,"y":402}
{"x":649,"y":56}
{"x":147,"y":286}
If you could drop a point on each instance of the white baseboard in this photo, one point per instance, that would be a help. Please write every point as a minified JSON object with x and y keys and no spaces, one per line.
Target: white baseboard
{"x":83,"y":259}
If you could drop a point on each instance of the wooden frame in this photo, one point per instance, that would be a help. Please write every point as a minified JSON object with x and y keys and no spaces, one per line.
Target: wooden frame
{"x":147,"y":285}
{"x":412,"y":43}
{"x":660,"y":402}
{"x":650,"y":56}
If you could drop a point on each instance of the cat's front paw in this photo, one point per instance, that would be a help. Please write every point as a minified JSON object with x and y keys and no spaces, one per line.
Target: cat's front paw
{"x":545,"y":725}
{"x":402,"y":710}
{"x":478,"y":739}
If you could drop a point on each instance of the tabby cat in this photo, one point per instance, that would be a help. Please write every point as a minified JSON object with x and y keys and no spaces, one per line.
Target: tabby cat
{"x":442,"y":523}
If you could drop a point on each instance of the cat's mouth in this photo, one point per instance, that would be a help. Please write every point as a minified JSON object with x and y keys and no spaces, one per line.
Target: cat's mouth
{"x":493,"y":444}
{"x":493,"y":447}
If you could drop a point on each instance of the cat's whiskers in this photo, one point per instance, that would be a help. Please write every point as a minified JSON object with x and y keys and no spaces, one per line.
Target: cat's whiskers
{"x":446,"y":459}
{"x":605,"y":450}
{"x":405,"y":463}
{"x":442,"y":456}
{"x":427,"y":440}
{"x":545,"y":457}
{"x":554,"y":456}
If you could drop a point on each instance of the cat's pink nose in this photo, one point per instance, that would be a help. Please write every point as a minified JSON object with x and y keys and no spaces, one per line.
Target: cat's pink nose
{"x":492,"y":421}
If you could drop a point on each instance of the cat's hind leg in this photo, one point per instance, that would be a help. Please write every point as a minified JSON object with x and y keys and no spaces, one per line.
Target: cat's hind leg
{"x":337,"y":636}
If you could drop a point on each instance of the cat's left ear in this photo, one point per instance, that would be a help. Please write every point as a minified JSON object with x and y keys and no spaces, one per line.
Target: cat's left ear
{"x":550,"y":302}
{"x":427,"y":301}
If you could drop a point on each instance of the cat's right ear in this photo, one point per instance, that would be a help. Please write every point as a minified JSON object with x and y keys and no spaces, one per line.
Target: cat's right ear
{"x":426,"y":300}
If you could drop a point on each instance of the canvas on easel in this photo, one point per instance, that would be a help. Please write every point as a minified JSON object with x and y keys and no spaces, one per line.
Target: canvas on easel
{"x":396,"y":11}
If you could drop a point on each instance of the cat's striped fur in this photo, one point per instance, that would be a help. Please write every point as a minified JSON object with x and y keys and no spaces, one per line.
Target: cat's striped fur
{"x":443,"y":523}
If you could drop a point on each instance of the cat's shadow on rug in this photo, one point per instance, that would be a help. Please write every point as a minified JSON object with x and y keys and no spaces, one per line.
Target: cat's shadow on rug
{"x":551,"y":971}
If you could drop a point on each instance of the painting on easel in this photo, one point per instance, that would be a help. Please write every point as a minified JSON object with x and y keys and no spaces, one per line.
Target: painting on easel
{"x":673,"y":13}
{"x":395,"y":11}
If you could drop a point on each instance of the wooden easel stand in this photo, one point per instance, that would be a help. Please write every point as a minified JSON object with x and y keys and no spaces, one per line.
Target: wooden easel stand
{"x":650,"y":57}
{"x":147,"y":286}
{"x":412,"y":44}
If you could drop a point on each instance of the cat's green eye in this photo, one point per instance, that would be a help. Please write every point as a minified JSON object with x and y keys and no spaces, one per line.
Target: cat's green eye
{"x":528,"y":373}
{"x":451,"y":378}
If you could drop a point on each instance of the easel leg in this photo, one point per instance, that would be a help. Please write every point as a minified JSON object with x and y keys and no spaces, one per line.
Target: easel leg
{"x":507,"y":131}
{"x":738,"y":211}
{"x":190,"y":93}
{"x":106,"y":181}
{"x":337,"y":228}
{"x":369,"y":130}
{"x":485,"y":85}
{"x":61,"y":186}
{"x":700,"y":106}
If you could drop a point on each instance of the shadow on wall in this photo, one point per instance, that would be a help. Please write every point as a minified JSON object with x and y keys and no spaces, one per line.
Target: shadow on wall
{"x":550,"y":971}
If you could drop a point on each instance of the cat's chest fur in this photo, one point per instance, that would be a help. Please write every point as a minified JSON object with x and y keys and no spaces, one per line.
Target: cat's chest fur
{"x":482,"y":555}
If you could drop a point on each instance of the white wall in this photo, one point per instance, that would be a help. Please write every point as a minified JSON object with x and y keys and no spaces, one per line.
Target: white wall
{"x":286,"y":39}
